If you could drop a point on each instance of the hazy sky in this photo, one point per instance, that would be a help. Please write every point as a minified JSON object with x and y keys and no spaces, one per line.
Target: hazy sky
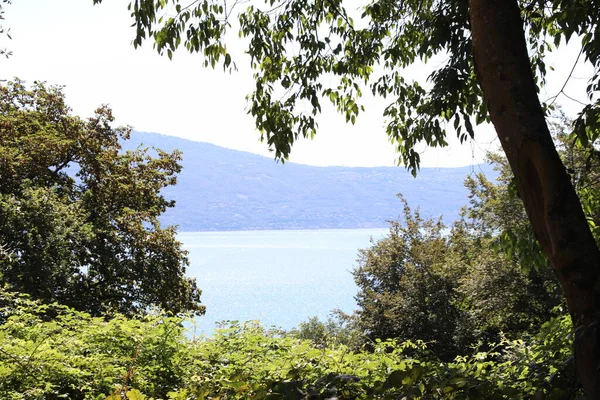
{"x":88,"y":49}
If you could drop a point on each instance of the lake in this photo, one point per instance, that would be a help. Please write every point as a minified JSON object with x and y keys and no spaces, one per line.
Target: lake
{"x":278,"y":277}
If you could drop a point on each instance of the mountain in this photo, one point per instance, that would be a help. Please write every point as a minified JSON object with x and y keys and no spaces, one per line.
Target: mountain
{"x":221,"y":189}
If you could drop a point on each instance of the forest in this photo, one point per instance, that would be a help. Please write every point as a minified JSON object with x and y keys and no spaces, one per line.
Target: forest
{"x":502,"y":304}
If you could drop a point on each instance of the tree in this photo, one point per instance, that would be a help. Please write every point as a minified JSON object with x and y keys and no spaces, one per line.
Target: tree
{"x":491,"y":57}
{"x":451,"y":289}
{"x":506,"y":286}
{"x":78,"y":216}
{"x":404,"y":290}
{"x":332,"y":332}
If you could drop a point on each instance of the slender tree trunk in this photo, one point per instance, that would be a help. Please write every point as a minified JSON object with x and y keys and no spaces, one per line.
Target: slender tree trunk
{"x":506,"y":79}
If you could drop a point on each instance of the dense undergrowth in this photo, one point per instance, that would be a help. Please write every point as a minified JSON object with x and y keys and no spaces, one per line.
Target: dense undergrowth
{"x":53,"y":352}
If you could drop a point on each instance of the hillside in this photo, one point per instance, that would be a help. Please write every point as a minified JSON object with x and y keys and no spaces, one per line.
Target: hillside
{"x":221,"y":189}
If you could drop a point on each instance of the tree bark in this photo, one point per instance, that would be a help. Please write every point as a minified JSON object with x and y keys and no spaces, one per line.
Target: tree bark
{"x":505,"y":75}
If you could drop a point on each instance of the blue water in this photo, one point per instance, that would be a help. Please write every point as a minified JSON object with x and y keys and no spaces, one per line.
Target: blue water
{"x":278,"y":277}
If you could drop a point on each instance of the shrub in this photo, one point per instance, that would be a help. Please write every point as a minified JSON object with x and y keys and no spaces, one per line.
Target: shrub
{"x":53,"y":352}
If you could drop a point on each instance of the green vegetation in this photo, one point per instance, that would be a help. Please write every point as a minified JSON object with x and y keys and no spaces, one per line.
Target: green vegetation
{"x":450,"y":287}
{"x":489,"y":59}
{"x":78,"y":216}
{"x":468,"y":312}
{"x":483,"y":279}
{"x":3,"y":30}
{"x":73,"y":355}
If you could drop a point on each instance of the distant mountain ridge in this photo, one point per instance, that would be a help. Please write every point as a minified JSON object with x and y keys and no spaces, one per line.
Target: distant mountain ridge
{"x":221,"y":189}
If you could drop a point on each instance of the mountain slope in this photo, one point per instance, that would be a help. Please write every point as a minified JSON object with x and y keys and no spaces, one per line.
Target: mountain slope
{"x":221,"y":189}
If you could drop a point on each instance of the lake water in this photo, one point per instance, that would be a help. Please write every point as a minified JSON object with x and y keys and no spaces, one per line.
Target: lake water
{"x":278,"y":277}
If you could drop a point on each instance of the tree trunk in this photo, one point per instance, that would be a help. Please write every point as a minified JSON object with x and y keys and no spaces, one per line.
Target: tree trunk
{"x":504,"y":72}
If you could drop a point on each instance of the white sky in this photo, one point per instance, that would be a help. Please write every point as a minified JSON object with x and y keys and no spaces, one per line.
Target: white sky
{"x":88,"y":49}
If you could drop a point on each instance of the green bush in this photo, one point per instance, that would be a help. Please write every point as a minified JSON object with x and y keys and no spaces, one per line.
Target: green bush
{"x":52,"y":352}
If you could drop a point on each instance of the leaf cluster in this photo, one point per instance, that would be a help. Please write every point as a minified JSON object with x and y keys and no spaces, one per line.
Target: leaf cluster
{"x":79,"y":216}
{"x":305,"y":53}
{"x":3,"y":30}
{"x":452,"y":288}
{"x":496,"y":211}
{"x":51,"y":351}
{"x":76,"y":356}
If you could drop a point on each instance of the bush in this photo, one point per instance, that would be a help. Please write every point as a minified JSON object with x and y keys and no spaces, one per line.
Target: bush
{"x":52,"y":352}
{"x":334,"y":331}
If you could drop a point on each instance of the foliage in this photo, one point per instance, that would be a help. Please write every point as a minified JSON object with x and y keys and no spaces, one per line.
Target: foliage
{"x":450,"y":288}
{"x":495,"y":209}
{"x":334,"y":331}
{"x":404,"y":291}
{"x":500,"y":298}
{"x":3,"y":30}
{"x":582,"y":160}
{"x":78,"y":216}
{"x":508,"y":260}
{"x":304,"y":53}
{"x":76,"y":356}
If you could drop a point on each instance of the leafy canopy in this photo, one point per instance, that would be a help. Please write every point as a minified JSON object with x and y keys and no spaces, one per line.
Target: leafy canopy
{"x":306,"y":52}
{"x":496,"y":210}
{"x":449,"y":288}
{"x":485,"y":277}
{"x":78,"y":216}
